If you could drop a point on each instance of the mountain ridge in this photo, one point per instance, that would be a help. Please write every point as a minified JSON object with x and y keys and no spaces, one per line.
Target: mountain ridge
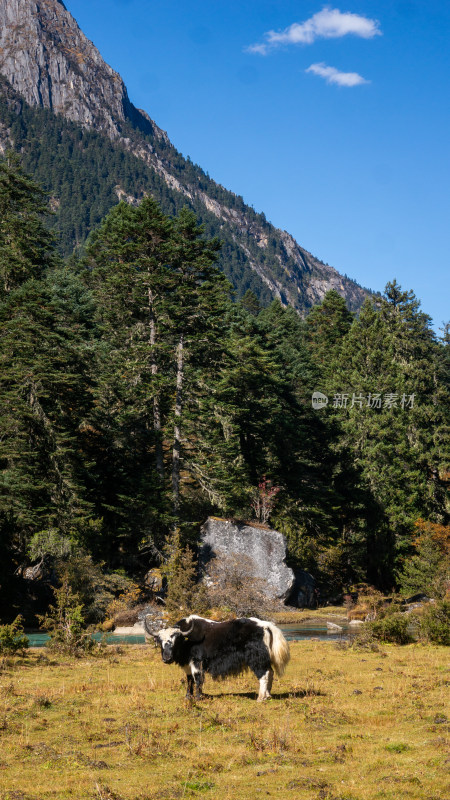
{"x":51,"y":64}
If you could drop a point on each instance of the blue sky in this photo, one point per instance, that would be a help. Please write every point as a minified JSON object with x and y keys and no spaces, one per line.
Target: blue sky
{"x":333,"y":119}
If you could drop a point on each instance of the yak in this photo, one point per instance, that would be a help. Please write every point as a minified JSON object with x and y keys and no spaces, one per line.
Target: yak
{"x":200,"y":646}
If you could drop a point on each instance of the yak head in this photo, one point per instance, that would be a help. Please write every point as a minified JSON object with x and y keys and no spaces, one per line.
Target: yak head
{"x":169,"y":640}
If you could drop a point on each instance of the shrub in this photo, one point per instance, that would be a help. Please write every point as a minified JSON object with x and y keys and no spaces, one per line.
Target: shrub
{"x":65,"y":623}
{"x":12,"y":638}
{"x":434,"y":623}
{"x":364,"y":602}
{"x":335,"y":570}
{"x":391,"y":627}
{"x":426,"y":570}
{"x":184,"y":594}
{"x":364,"y":640}
{"x":95,"y":589}
{"x":49,"y":543}
{"x":264,"y":500}
{"x":232,"y":588}
{"x":122,"y":610}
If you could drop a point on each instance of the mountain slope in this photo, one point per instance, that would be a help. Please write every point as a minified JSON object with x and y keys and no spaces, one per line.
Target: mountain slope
{"x":49,"y":63}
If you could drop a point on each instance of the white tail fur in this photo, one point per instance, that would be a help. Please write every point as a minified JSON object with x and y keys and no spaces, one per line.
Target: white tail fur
{"x":277,"y":644}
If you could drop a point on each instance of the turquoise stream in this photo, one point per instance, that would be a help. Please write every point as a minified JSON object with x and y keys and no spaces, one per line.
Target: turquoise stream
{"x":304,"y":630}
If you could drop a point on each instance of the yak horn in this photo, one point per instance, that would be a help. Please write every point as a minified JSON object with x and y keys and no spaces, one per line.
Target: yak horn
{"x":189,"y":630}
{"x":150,"y":632}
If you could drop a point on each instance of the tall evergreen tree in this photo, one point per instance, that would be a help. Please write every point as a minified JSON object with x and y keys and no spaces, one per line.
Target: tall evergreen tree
{"x":44,"y":367}
{"x":198,"y":319}
{"x":45,"y":361}
{"x":326,"y":326}
{"x":127,"y":266}
{"x":384,"y":400}
{"x":26,"y":244}
{"x":160,"y":300}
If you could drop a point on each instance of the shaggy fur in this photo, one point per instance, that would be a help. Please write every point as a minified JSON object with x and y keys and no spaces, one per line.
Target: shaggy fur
{"x":201,"y":645}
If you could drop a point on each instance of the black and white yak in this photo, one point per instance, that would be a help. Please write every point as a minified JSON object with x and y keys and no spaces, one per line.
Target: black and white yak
{"x":201,"y":645}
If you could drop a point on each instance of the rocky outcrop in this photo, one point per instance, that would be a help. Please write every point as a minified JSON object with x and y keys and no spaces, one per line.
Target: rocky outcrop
{"x":264,"y":548}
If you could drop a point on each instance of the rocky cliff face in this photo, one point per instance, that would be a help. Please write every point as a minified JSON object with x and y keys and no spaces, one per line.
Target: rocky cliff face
{"x":49,"y":62}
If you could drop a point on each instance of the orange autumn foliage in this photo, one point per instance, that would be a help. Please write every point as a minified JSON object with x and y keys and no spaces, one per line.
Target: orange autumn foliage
{"x":440,"y":534}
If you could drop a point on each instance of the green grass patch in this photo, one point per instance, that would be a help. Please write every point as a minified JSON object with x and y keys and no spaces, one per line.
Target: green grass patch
{"x":400,"y":747}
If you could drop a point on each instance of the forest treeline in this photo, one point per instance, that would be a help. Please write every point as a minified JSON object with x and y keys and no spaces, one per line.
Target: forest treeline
{"x":137,"y":396}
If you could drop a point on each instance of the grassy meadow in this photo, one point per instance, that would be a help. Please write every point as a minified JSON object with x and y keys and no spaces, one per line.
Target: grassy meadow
{"x":343,"y":724}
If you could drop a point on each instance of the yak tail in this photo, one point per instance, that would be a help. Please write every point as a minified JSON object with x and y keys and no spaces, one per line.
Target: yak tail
{"x":277,"y":646}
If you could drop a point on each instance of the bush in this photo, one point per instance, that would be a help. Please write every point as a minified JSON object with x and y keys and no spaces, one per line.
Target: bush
{"x":232,"y":589}
{"x":123,"y":609}
{"x":364,"y":602}
{"x":434,"y":624}
{"x":184,"y":594}
{"x":94,"y":588}
{"x":426,"y":570}
{"x":335,"y":570}
{"x":65,"y":623}
{"x":364,"y":640}
{"x":12,"y":638}
{"x":391,"y":627}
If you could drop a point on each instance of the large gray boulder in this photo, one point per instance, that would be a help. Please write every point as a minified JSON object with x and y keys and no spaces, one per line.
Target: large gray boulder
{"x":265,"y":549}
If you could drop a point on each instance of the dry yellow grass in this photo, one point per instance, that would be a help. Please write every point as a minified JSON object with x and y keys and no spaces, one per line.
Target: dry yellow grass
{"x":343,"y":725}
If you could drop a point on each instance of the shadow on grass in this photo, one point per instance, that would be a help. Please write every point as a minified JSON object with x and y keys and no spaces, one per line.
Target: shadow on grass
{"x":253,"y":695}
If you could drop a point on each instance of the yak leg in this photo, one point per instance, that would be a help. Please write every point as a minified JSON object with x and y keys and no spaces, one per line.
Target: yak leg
{"x":189,"y":682}
{"x":265,"y":685}
{"x":190,"y":687}
{"x":198,"y":677}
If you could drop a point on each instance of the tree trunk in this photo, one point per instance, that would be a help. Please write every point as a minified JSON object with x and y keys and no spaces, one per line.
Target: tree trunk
{"x":177,"y":429}
{"x":156,"y":407}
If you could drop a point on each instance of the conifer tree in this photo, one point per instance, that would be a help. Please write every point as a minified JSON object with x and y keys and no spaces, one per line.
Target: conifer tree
{"x":161,"y":302}
{"x":26,"y":245}
{"x":326,"y":326}
{"x":44,"y":382}
{"x":198,"y":320}
{"x":127,"y":266}
{"x":130,"y":253}
{"x":385,"y":404}
{"x":441,"y":438}
{"x":251,"y":303}
{"x":45,"y":353}
{"x":184,"y":594}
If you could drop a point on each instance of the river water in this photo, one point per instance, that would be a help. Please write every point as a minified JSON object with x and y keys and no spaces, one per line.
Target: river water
{"x":312,"y":629}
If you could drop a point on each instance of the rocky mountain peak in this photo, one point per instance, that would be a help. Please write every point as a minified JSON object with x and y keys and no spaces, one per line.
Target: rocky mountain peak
{"x":51,"y":63}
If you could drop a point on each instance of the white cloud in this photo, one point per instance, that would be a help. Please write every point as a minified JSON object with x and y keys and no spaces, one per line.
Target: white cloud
{"x":257,"y":48}
{"x":333,"y":75}
{"x":330,"y":23}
